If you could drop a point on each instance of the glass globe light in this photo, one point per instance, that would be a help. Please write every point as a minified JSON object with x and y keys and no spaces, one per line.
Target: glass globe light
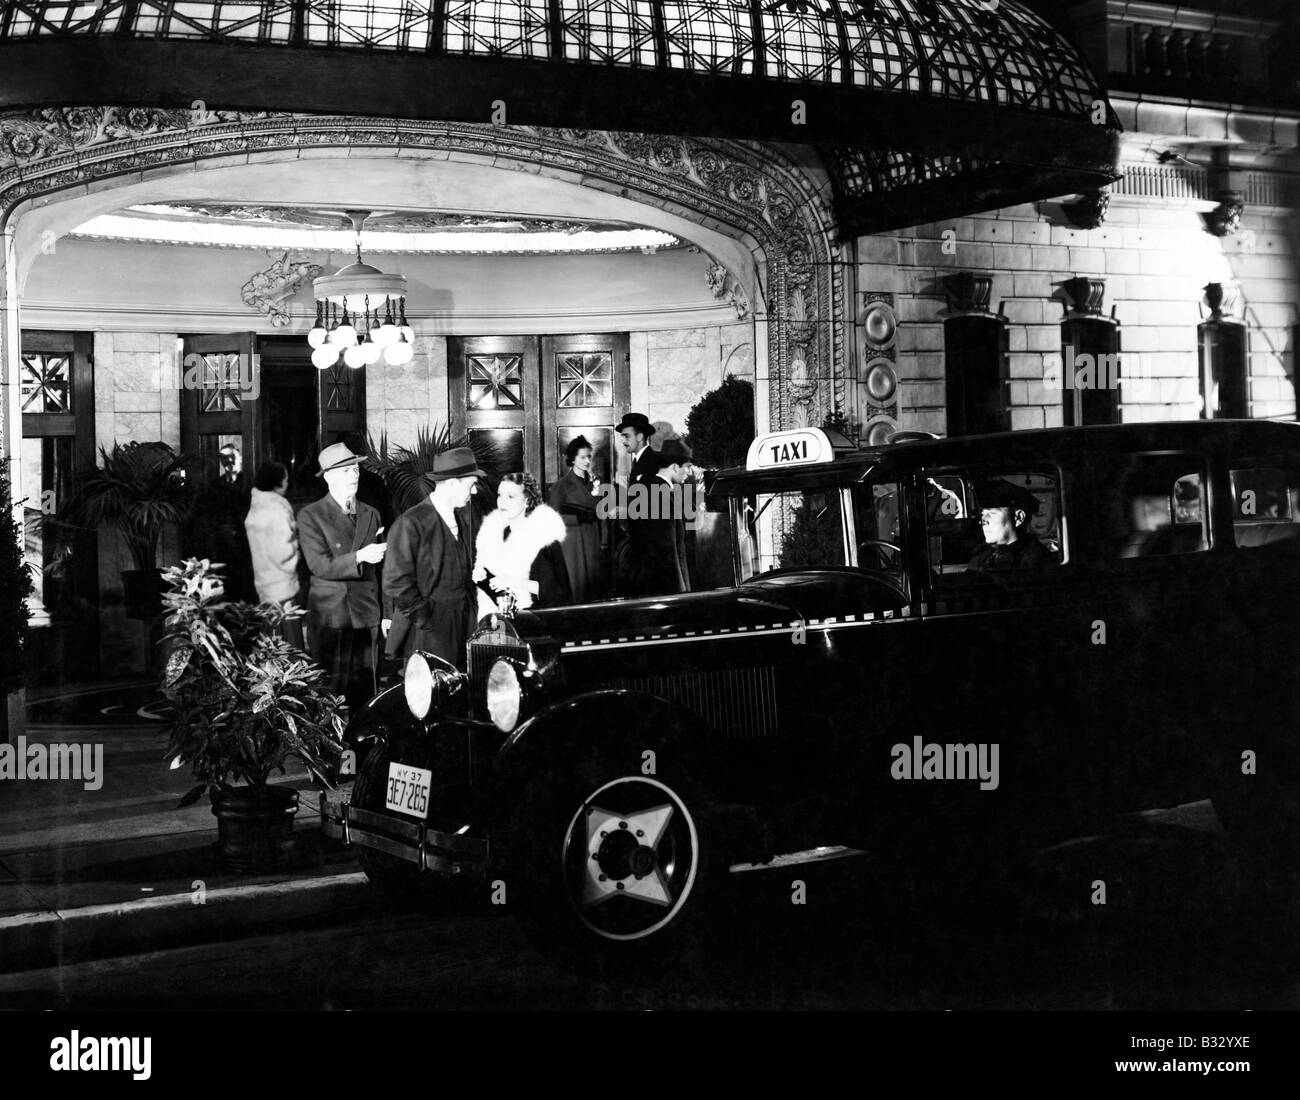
{"x":317,"y":337}
{"x":386,"y":334}
{"x":354,"y":356}
{"x":325,"y":356}
{"x":371,"y":353}
{"x":397,"y":354}
{"x":345,"y":336}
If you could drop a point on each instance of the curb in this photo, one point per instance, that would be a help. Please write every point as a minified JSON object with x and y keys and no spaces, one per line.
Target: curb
{"x":47,"y":938}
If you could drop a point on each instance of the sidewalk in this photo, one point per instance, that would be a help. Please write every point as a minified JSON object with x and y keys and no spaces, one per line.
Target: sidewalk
{"x":88,"y":874}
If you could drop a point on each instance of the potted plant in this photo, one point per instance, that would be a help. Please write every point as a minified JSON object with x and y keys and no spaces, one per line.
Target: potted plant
{"x":15,"y":585}
{"x":137,"y":488}
{"x":245,"y":702}
{"x":403,"y":468}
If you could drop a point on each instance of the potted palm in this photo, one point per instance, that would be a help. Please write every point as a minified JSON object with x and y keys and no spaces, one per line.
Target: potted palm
{"x":137,"y":488}
{"x":245,"y":702}
{"x":403,"y":468}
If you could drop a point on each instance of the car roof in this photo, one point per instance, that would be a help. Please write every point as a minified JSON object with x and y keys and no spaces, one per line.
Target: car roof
{"x":1029,"y":444}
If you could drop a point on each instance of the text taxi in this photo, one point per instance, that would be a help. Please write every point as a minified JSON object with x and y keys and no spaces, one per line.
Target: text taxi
{"x":934,"y":649}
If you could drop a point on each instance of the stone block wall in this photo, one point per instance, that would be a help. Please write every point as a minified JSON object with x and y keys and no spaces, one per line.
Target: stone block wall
{"x":1155,"y":257}
{"x":672,"y":369}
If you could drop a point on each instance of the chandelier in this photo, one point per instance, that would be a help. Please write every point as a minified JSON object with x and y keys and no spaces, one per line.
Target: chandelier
{"x":360,"y":314}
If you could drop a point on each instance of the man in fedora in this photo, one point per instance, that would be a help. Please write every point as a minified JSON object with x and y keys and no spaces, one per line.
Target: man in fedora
{"x":428,"y":577}
{"x":657,"y":546}
{"x":338,"y":536}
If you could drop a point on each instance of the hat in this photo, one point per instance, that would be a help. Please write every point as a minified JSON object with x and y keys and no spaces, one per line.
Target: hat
{"x":336,"y":456}
{"x":638,"y":423}
{"x":673,"y":450}
{"x":458,"y":462}
{"x":1003,"y":494}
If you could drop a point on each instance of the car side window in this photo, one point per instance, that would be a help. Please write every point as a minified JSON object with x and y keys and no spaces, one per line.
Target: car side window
{"x":961,"y":544}
{"x":1157,"y":507}
{"x":1265,"y":503}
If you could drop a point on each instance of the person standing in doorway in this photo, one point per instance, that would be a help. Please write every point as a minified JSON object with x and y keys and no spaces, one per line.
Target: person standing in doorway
{"x":634,"y":431}
{"x":273,"y":543}
{"x":427,"y":577}
{"x":339,"y":538}
{"x":575,"y":497}
{"x":657,"y":549}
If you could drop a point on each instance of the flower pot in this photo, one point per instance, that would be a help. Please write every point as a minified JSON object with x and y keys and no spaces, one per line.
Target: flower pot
{"x":255,"y":827}
{"x":142,"y":593}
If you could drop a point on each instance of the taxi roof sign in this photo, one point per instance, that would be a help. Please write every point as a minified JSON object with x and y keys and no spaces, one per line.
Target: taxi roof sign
{"x":796,"y":447}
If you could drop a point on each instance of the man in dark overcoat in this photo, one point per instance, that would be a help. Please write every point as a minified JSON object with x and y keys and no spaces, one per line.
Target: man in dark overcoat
{"x":428,"y":575}
{"x":657,"y":540}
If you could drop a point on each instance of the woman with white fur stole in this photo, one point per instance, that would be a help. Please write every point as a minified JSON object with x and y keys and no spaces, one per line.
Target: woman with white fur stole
{"x":517,"y":553}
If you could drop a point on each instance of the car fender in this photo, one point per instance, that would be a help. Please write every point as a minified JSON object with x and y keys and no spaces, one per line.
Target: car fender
{"x":645,"y":727}
{"x":385,"y":717}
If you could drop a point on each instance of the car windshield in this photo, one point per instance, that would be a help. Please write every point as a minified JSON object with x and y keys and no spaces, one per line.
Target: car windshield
{"x":808,"y":529}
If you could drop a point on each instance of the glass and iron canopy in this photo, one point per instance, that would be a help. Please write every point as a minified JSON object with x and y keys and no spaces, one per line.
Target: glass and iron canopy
{"x":953,"y":97}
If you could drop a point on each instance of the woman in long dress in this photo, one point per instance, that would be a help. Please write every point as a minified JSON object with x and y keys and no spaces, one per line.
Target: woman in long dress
{"x":575,"y":497}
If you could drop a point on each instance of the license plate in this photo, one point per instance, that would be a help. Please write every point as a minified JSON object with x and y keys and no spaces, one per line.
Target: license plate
{"x":408,"y":790}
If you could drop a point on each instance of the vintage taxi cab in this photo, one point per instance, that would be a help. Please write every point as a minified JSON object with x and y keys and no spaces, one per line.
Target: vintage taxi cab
{"x":873,"y":681}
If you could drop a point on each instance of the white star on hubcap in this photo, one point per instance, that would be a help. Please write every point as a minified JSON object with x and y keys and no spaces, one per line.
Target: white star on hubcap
{"x":645,"y":828}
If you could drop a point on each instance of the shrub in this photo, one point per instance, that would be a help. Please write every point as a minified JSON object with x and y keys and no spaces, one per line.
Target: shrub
{"x":720,"y":428}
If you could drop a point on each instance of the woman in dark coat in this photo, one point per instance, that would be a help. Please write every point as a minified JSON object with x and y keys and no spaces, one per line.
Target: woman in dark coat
{"x":575,"y":497}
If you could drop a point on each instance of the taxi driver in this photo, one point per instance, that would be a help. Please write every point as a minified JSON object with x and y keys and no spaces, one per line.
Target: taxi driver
{"x":1009,"y":544}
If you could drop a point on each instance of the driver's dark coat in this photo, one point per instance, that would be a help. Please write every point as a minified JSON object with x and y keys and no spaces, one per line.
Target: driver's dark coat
{"x":428,"y":578}
{"x":1025,"y":553}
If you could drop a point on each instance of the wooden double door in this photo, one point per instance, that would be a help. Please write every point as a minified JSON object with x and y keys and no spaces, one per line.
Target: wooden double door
{"x":246,"y":400}
{"x":522,"y":399}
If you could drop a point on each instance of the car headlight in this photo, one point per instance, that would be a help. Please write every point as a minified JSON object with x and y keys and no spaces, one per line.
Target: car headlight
{"x":505,"y":696}
{"x":426,"y":684}
{"x":418,"y":686}
{"x":513,"y":692}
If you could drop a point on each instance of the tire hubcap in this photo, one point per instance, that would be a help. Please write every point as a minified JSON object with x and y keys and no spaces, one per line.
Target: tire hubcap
{"x":631,"y":855}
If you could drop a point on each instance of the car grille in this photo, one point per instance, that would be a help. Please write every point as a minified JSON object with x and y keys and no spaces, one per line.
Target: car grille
{"x":740,"y":703}
{"x":484,"y":651}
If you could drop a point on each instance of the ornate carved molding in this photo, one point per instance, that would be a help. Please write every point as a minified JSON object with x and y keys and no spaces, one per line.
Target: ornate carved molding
{"x":745,"y":189}
{"x":266,"y":290}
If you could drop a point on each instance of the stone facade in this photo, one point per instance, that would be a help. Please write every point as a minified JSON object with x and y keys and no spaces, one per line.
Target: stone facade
{"x":1154,"y":257}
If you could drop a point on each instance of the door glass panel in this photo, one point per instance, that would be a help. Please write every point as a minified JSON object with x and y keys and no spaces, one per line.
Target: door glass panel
{"x":47,"y":483}
{"x":500,"y":451}
{"x":1159,"y":507}
{"x":338,"y":388}
{"x":959,"y":541}
{"x":495,"y":381}
{"x":221,"y":461}
{"x":796,"y":529}
{"x":584,"y":379}
{"x":46,"y":383}
{"x":602,"y":448}
{"x":1265,"y":509}
{"x":221,"y":382}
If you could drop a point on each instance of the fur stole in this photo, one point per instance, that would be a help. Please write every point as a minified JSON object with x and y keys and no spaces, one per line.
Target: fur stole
{"x":514,"y":557}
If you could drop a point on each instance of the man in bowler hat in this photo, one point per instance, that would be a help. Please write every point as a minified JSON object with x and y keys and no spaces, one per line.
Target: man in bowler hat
{"x":657,"y":548}
{"x":635,"y":430}
{"x":428,"y":576}
{"x":338,"y":536}
{"x":1009,"y":544}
